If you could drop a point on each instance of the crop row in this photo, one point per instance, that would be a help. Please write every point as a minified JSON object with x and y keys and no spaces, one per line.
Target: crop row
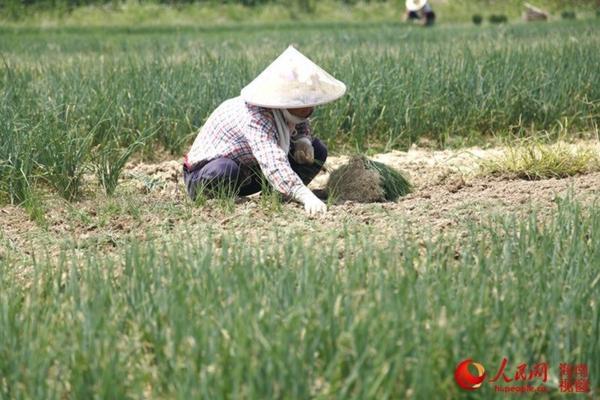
{"x":81,"y":101}
{"x":192,"y":319}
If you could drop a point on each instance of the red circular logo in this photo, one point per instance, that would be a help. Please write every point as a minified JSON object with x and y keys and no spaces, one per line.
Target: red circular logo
{"x":465,"y":379}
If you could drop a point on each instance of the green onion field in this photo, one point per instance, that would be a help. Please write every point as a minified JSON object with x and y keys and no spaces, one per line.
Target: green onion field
{"x":114,"y":285}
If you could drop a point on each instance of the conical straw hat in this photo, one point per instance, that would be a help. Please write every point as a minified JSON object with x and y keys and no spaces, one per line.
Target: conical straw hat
{"x":415,"y":5}
{"x":293,"y":81}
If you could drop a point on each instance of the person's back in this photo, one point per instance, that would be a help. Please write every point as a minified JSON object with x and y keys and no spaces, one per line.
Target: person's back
{"x":224,"y":130}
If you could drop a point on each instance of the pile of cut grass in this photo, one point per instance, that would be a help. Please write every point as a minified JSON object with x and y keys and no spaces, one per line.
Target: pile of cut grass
{"x":536,"y":161}
{"x":367,"y":181}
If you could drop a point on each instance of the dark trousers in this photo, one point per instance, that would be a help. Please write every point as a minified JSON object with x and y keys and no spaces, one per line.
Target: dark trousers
{"x":225,"y":175}
{"x":428,"y":15}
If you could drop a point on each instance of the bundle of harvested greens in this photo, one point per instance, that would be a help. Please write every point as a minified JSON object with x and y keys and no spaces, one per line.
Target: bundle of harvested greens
{"x":367,"y":181}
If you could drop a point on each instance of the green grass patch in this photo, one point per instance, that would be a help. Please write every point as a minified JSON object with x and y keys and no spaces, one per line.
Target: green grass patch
{"x":211,"y":317}
{"x":160,"y":13}
{"x":79,"y":99}
{"x":536,"y":161}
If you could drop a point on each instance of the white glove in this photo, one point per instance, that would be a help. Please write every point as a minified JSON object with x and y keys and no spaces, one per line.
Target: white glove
{"x":312,"y":204}
{"x":304,"y":153}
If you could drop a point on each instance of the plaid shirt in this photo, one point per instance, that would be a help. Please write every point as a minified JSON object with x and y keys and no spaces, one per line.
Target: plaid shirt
{"x":247,"y":134}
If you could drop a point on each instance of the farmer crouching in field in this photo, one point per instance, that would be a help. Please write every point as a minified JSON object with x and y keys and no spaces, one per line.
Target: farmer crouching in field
{"x":421,"y":11}
{"x":265,"y":134}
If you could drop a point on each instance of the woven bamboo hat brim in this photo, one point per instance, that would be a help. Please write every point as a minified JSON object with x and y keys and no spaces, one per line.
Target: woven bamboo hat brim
{"x":293,"y":81}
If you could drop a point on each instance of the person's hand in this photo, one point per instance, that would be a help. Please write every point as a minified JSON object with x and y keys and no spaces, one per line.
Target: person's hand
{"x":312,"y":204}
{"x":315,"y":206}
{"x":304,"y":153}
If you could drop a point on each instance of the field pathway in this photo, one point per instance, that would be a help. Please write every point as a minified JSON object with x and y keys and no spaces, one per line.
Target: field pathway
{"x":450,"y":195}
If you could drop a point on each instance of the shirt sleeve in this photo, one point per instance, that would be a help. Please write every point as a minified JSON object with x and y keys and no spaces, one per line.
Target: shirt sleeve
{"x":261,"y":137}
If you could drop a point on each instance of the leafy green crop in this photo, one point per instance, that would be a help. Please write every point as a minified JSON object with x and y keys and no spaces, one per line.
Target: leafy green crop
{"x":211,"y":317}
{"x":69,"y":96}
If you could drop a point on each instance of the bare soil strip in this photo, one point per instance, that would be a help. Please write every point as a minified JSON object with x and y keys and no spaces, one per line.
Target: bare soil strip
{"x":151,"y":203}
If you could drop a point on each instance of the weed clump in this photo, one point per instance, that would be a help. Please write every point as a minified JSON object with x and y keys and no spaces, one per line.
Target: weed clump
{"x":367,"y":181}
{"x":477,"y":19}
{"x":539,"y":161}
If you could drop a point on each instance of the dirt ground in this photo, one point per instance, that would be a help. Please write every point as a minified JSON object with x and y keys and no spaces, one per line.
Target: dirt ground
{"x":450,"y":195}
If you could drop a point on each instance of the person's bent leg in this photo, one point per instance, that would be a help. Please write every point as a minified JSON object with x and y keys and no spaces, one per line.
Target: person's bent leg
{"x":307,"y":172}
{"x":220,"y":175}
{"x":251,"y":180}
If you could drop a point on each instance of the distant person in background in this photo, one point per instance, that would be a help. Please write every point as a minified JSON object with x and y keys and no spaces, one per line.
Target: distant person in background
{"x":420,"y":11}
